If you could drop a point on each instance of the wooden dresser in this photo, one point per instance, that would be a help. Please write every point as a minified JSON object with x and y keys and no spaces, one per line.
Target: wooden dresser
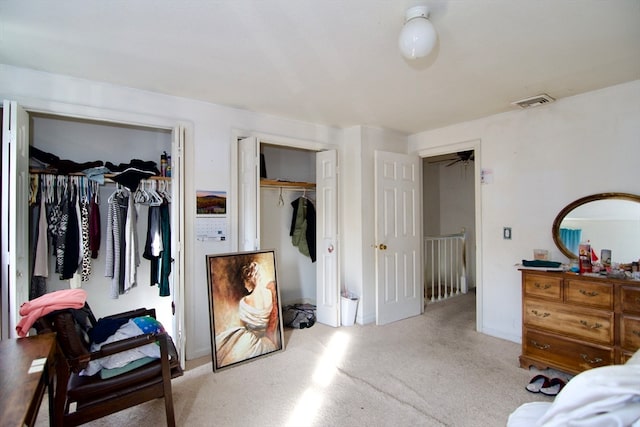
{"x":573,"y":323}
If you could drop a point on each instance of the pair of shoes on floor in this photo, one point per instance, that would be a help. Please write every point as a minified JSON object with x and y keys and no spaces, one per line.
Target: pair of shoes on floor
{"x":546,"y":386}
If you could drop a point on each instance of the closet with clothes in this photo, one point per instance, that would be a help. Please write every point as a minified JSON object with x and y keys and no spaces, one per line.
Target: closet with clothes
{"x":288,"y":218}
{"x":101,"y":213}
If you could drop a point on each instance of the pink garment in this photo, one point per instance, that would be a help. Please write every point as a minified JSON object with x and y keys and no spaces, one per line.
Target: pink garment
{"x":58,"y":300}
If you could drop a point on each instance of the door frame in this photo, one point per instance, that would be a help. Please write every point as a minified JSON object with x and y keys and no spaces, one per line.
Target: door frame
{"x":474,"y":144}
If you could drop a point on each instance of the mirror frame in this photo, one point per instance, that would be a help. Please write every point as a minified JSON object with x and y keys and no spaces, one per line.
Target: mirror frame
{"x":555,"y":230}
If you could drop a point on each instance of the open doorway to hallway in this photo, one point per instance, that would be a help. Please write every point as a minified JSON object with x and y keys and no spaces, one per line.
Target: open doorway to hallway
{"x":449,"y":224}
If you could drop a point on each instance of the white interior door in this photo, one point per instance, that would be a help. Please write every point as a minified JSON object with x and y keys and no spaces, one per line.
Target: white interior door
{"x":248,"y":203}
{"x":178,"y":238}
{"x":327,"y":289}
{"x":15,"y":214}
{"x":399,"y":290}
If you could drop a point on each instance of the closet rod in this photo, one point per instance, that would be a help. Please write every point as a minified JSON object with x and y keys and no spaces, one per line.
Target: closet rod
{"x":107,"y":176}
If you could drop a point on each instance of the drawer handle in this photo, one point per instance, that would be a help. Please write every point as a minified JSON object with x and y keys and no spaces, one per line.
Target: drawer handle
{"x":634,"y":332}
{"x":589,"y":294}
{"x":590,"y":361}
{"x":594,"y":326}
{"x":537,"y":313}
{"x":539,"y":286}
{"x":540,"y":346}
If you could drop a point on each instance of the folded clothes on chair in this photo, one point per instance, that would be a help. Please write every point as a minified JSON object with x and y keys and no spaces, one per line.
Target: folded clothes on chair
{"x":38,"y":307}
{"x":133,"y":327}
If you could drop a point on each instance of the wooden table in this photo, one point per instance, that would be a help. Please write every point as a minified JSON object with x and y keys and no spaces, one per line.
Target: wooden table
{"x":21,"y":392}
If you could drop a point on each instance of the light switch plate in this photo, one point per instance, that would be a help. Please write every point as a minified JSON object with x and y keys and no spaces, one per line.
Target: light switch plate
{"x":506,"y":233}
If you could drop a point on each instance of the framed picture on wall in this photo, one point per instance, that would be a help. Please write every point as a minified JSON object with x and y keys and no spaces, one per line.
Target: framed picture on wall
{"x":244,"y":307}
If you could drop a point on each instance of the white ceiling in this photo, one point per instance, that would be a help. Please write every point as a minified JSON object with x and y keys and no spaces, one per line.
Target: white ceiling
{"x":333,"y":62}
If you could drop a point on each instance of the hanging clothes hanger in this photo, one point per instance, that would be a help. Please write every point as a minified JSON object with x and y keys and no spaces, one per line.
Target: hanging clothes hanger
{"x":164,"y":189}
{"x":280,"y":198}
{"x":155,"y":198}
{"x":141,"y":196}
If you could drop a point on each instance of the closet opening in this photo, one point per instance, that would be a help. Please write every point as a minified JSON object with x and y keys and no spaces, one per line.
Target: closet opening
{"x":287,"y":186}
{"x":124,"y":150}
{"x":274,"y":174}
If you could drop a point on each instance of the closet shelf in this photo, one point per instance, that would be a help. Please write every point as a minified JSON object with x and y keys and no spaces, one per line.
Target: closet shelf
{"x":274,"y":183}
{"x":108,"y":176}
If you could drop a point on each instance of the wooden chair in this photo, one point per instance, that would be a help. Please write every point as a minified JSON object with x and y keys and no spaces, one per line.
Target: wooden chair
{"x":79,"y":399}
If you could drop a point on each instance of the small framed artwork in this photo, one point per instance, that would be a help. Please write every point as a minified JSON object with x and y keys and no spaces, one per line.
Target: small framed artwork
{"x":244,"y":307}
{"x":210,"y":202}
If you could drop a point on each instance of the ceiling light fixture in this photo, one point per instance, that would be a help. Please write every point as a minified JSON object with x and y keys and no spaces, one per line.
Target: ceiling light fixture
{"x":417,"y":37}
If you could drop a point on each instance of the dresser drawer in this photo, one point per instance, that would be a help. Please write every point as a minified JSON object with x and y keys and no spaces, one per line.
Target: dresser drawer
{"x":572,"y":321}
{"x":563,"y":353}
{"x":592,"y":294}
{"x":539,"y":285}
{"x":630,"y":333}
{"x":630,"y":298}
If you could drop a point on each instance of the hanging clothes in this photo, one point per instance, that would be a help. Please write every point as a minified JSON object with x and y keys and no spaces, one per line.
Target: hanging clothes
{"x":153,"y":244}
{"x":84,"y":237}
{"x":41,"y":258}
{"x":37,"y":240}
{"x":61,"y":229}
{"x":114,"y":262}
{"x":165,"y":268}
{"x":122,"y":255}
{"x":303,"y":227}
{"x":132,"y":257}
{"x":94,"y":223}
{"x":158,"y":247}
{"x":69,"y":253}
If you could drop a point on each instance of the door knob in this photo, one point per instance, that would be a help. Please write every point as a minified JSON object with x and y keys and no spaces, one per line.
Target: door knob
{"x":382,"y":247}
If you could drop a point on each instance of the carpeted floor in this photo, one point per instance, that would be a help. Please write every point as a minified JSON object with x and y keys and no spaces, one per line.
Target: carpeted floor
{"x":429,"y":370}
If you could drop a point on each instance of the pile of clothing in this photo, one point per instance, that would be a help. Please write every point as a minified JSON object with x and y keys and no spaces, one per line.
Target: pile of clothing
{"x":128,"y":174}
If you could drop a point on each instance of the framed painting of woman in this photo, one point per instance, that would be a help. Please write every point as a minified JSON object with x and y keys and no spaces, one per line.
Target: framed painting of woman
{"x":244,"y":307}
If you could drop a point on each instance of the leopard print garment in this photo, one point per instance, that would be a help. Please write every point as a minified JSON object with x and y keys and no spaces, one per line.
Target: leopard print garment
{"x":86,"y":252}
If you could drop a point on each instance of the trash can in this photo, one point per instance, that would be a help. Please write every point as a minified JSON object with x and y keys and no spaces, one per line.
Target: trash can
{"x":348,"y":308}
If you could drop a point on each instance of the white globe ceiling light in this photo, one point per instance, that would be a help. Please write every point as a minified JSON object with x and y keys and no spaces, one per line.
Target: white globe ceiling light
{"x":417,"y":36}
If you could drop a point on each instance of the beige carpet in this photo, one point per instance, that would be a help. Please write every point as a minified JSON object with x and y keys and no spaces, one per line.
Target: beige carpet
{"x":429,"y":370}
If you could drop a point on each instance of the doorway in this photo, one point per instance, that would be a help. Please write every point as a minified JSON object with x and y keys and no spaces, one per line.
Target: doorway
{"x":450,"y":188}
{"x":288,"y":176}
{"x":161,"y":134}
{"x":315,"y":163}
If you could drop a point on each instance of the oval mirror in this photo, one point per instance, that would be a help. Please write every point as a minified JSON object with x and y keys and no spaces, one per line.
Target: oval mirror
{"x":606,"y":220}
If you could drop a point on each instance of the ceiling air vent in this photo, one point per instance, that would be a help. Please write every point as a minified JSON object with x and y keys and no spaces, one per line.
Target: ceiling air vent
{"x":533,"y":101}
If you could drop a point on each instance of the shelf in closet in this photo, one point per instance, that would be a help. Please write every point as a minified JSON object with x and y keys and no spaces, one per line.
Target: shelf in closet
{"x":107,"y":176}
{"x":274,"y":183}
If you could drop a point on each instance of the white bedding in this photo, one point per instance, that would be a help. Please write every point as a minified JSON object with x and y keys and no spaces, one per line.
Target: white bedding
{"x":600,"y":397}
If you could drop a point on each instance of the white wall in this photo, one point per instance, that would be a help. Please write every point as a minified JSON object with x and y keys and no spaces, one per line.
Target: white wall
{"x":542,"y":159}
{"x":207,"y":153}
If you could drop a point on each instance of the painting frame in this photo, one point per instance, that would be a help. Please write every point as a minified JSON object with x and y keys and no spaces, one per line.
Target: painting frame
{"x":244,"y":324}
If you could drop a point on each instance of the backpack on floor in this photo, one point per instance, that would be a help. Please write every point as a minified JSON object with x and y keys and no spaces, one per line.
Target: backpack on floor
{"x":299,"y":316}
